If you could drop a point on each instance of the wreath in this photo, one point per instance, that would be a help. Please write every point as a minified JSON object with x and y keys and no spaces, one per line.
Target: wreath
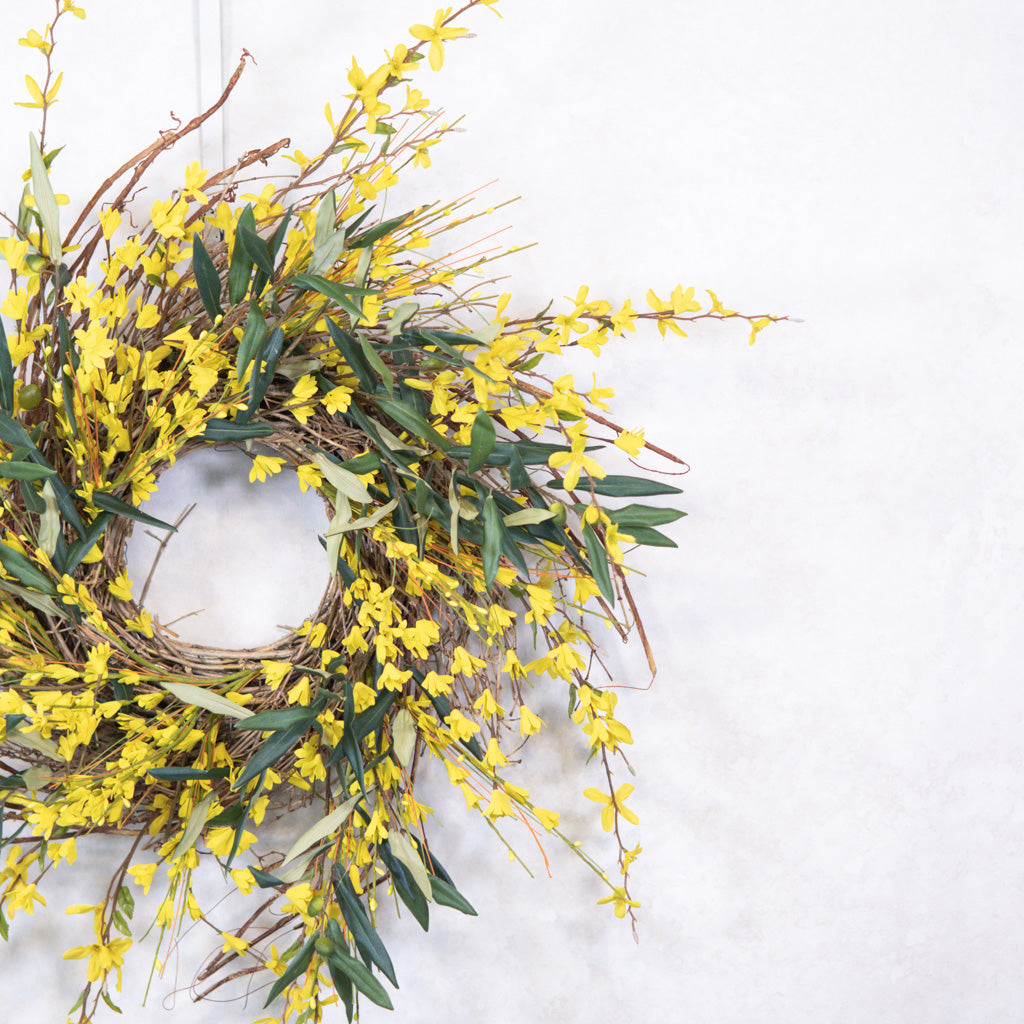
{"x":473,"y":537}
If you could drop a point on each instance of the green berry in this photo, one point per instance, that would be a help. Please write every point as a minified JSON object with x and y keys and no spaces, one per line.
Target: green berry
{"x":29,"y":397}
{"x":323,"y":945}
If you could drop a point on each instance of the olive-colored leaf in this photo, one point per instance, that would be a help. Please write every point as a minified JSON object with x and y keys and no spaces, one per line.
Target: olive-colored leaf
{"x":49,"y":521}
{"x":280,"y":744}
{"x":378,"y":364}
{"x":350,"y":351}
{"x":340,"y":294}
{"x":232,"y":430}
{"x":403,"y":736}
{"x":343,"y":479}
{"x":446,"y":895}
{"x":401,"y":316}
{"x":643,"y":515}
{"x":528,"y":517}
{"x":402,"y":849}
{"x":253,"y":337}
{"x":375,"y":234}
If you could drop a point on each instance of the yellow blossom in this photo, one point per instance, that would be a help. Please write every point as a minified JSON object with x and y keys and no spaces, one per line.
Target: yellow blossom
{"x":621,"y":901}
{"x":436,"y":34}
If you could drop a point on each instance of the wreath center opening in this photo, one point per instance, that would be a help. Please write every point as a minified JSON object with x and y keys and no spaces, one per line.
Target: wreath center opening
{"x":245,"y":566}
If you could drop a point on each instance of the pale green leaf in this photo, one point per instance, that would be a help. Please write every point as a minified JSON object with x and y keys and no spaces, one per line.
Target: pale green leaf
{"x":49,"y":521}
{"x":46,"y":202}
{"x":322,"y":829}
{"x":364,"y":521}
{"x":403,"y":736}
{"x":343,"y":481}
{"x":200,"y":697}
{"x":528,"y":517}
{"x":194,"y":826}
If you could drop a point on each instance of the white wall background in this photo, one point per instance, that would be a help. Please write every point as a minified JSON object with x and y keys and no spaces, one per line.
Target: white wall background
{"x":830,"y":761}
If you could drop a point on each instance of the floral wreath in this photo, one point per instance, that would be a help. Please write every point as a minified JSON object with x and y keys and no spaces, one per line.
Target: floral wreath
{"x":465,"y":501}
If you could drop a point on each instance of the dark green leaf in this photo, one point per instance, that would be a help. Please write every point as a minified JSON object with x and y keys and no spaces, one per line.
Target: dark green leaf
{"x":446,"y":895}
{"x":253,"y":336}
{"x":263,"y":374}
{"x":352,"y":353}
{"x":299,"y":965}
{"x":598,"y":563}
{"x":362,"y":978}
{"x":343,"y":986}
{"x":409,"y":419}
{"x":378,"y":364}
{"x":340,"y":294}
{"x":240,"y":269}
{"x":377,"y":233}
{"x":482,"y":440}
{"x":492,"y":540}
{"x":82,"y":547}
{"x":276,"y":747}
{"x":232,"y":430}
{"x":178,"y":774}
{"x":207,"y":279}
{"x":6,"y":374}
{"x":284,"y":718}
{"x":24,"y":471}
{"x":257,"y":250}
{"x":22,"y":569}
{"x":643,"y":515}
{"x":362,"y":463}
{"x":409,"y":892}
{"x":117,"y":507}
{"x":620,"y":486}
{"x":651,"y":538}
{"x":265,"y":880}
{"x":367,"y":941}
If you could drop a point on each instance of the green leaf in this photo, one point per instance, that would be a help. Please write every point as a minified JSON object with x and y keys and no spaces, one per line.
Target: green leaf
{"x":350,"y":351}
{"x":482,"y":440}
{"x":276,"y":719}
{"x":411,"y":895}
{"x":363,"y":522}
{"x":280,"y":744}
{"x":402,"y":849}
{"x":378,"y":364}
{"x":265,"y":880}
{"x":240,"y":268}
{"x":340,"y":294}
{"x":110,"y":1002}
{"x":6,"y":374}
{"x":257,"y":249}
{"x":232,"y":430}
{"x":362,"y":978}
{"x":253,"y":337}
{"x":403,"y":736}
{"x":446,"y":895}
{"x":117,"y":507}
{"x":200,"y":697}
{"x":24,"y":471}
{"x":14,"y":434}
{"x":126,"y":901}
{"x":88,"y":541}
{"x":491,"y":552}
{"x":207,"y":278}
{"x":620,"y":486}
{"x":263,"y":374}
{"x":46,"y":203}
{"x":184,"y":774}
{"x":377,"y":233}
{"x":409,"y":419}
{"x":367,"y":941}
{"x":343,"y":986}
{"x":40,"y":602}
{"x":651,"y":538}
{"x":599,"y":563}
{"x":25,"y":571}
{"x":299,"y":965}
{"x":643,"y":515}
{"x":328,"y":242}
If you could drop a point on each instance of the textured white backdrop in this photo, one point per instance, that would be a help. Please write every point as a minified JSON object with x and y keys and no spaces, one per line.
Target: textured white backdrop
{"x":829,"y":763}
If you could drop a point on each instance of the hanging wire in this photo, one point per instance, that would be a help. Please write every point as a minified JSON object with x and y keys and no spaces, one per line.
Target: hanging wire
{"x":208,"y":43}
